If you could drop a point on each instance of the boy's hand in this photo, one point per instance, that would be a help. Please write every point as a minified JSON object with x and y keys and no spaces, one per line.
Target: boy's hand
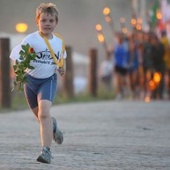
{"x":62,"y":71}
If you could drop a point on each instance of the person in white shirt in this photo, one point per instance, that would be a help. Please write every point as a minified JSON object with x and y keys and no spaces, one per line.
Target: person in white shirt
{"x":106,"y":72}
{"x":40,"y":88}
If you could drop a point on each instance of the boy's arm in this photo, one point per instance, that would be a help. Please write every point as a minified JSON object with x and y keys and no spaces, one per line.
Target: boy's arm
{"x":62,"y":71}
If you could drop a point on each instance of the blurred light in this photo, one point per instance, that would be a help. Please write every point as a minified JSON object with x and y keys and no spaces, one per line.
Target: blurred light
{"x":158,"y":15}
{"x":157,"y":77}
{"x":21,"y":27}
{"x":100,"y":38}
{"x":108,"y":19}
{"x":133,"y":21}
{"x":152,"y":85}
{"x":147,"y":99}
{"x":138,"y":27}
{"x":98,"y":27}
{"x":106,"y":11}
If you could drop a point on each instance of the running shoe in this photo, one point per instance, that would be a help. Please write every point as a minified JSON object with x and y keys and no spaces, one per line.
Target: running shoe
{"x":45,"y":156}
{"x":57,"y":134}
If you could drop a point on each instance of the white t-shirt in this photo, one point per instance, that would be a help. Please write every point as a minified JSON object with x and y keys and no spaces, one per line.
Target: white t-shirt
{"x":44,"y":65}
{"x":106,"y":68}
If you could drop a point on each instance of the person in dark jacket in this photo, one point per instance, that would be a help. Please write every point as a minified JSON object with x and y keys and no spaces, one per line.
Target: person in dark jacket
{"x":158,"y":65}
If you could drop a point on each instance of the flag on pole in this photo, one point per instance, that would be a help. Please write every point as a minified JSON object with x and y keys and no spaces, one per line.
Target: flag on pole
{"x":153,"y":14}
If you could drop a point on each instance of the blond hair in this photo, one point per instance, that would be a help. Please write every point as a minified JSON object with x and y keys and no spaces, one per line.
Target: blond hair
{"x":49,"y":8}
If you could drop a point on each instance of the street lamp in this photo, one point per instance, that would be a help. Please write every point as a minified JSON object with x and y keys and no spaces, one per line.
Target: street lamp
{"x":98,"y":27}
{"x":106,"y":11}
{"x":108,"y":18}
{"x":100,"y":36}
{"x":158,"y":14}
{"x":21,"y":27}
{"x":123,"y":27}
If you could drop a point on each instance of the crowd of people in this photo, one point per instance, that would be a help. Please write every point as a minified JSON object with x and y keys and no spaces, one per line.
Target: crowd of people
{"x":138,"y":66}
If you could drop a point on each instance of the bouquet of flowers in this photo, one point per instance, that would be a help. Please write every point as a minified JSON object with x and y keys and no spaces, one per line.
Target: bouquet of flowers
{"x":26,"y":55}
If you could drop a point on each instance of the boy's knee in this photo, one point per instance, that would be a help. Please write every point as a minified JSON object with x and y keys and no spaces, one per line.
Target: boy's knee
{"x":42,"y":115}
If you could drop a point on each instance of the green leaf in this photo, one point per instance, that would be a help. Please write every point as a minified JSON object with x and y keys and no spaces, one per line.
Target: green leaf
{"x":21,"y":57}
{"x":21,"y":53}
{"x":30,"y":67}
{"x":19,"y":68}
{"x":14,"y":67}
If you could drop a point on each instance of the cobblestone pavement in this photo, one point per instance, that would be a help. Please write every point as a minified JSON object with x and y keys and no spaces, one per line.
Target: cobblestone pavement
{"x":108,"y":135}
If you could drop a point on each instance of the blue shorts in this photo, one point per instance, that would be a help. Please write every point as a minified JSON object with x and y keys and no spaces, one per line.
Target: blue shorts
{"x":40,"y":89}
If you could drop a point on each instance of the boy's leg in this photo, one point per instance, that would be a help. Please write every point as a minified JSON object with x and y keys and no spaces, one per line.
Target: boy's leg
{"x":35,"y":111}
{"x":46,"y":130}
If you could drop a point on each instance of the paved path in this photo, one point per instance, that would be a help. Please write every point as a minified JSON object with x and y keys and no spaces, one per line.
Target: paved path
{"x":112,"y":135}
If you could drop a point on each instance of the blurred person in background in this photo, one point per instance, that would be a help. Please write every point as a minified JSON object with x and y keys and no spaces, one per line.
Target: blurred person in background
{"x":120,"y":60}
{"x":158,"y":65}
{"x":106,"y":72}
{"x":138,"y":40}
{"x":166,"y":44}
{"x":133,"y":68}
{"x":147,"y":63}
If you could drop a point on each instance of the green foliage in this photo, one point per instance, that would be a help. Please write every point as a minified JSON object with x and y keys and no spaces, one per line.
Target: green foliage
{"x":26,"y":55}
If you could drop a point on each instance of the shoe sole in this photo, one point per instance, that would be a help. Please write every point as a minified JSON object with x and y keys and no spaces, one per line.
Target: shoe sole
{"x":42,"y":160}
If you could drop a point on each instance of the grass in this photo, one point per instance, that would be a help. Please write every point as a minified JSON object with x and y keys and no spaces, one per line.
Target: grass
{"x":18,"y":101}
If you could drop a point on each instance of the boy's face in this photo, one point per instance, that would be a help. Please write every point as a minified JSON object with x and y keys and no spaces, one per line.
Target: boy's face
{"x":46,"y":24}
